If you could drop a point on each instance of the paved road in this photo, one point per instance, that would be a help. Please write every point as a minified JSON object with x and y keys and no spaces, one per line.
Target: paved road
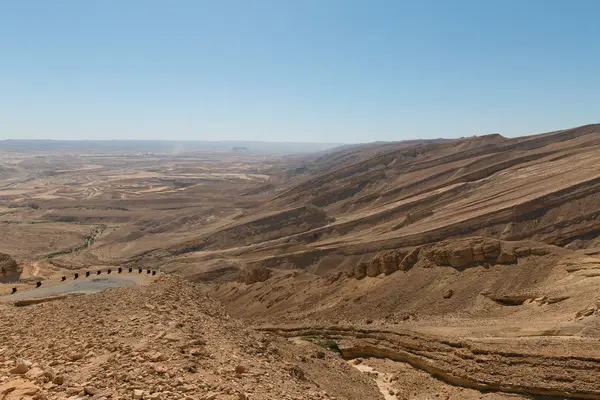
{"x":80,"y":286}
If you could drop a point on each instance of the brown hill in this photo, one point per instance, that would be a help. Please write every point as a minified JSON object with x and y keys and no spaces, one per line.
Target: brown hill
{"x":543,"y":187}
{"x":456,"y":257}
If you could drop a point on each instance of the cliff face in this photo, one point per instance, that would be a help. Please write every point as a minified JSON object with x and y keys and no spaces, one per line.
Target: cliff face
{"x":9,"y":269}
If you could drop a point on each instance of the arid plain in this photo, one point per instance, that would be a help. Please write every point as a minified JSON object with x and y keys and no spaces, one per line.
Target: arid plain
{"x":457,"y":269}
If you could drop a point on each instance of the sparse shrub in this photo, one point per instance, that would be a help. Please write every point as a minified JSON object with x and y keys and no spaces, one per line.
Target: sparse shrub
{"x":331,"y":345}
{"x":328,"y":344}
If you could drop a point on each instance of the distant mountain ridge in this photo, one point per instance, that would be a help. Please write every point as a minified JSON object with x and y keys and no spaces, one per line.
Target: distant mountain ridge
{"x":161,"y":146}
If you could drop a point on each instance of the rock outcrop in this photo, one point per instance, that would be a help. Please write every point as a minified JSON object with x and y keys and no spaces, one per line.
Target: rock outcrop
{"x":360,"y":270}
{"x":466,"y":363}
{"x":458,"y":253}
{"x":250,"y":275}
{"x":384,"y":263}
{"x":9,"y":269}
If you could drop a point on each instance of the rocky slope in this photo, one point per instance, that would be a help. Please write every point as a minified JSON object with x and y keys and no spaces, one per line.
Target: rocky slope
{"x":543,"y":187}
{"x":519,"y":318}
{"x":541,"y":369}
{"x":166,"y":340}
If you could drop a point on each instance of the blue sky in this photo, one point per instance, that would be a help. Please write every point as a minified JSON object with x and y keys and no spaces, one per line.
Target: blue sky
{"x":296,"y":70}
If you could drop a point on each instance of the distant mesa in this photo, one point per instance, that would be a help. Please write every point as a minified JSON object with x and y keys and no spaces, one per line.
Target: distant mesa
{"x":239,"y":149}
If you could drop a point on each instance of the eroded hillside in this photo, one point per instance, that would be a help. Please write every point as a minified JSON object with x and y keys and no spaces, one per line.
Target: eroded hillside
{"x":465,"y":268}
{"x":544,"y":187}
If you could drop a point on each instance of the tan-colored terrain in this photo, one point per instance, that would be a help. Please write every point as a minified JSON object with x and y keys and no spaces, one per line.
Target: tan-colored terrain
{"x":164,"y":340}
{"x":465,"y":268}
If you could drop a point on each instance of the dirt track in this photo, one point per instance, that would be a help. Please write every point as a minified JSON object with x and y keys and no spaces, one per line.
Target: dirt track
{"x":90,"y":285}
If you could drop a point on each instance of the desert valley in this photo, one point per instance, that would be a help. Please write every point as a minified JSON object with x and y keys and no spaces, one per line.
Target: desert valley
{"x":427,"y":269}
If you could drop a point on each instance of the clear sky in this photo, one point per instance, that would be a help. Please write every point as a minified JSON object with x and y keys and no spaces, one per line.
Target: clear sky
{"x":296,"y":70}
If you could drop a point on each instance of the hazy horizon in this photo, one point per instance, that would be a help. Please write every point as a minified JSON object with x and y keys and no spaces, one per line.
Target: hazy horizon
{"x":305,"y":72}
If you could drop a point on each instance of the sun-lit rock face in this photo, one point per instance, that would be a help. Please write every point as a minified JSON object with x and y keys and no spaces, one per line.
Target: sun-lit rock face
{"x":9,"y":269}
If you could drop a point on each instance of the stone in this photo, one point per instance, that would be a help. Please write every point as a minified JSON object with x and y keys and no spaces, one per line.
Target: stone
{"x":9,"y":268}
{"x":360,"y":271}
{"x":374,"y":268}
{"x":138,"y":394}
{"x":506,"y":258}
{"x":90,"y":390}
{"x":75,"y":356}
{"x":21,"y":367}
{"x":297,"y":373}
{"x":250,"y":275}
{"x":585,"y":313}
{"x":389,"y":262}
{"x":172,"y":337}
{"x":240,"y":369}
{"x":491,"y":249}
{"x":157,"y":356}
{"x":410,"y":260}
{"x":448,"y":293}
{"x":460,"y":257}
{"x":17,"y":389}
{"x":34,"y":373}
{"x":478,"y":254}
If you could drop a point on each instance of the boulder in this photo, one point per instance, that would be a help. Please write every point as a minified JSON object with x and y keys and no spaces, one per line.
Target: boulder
{"x":360,"y":270}
{"x":491,"y":249}
{"x":410,"y":260}
{"x":506,"y":257}
{"x":9,"y":269}
{"x":21,"y":367}
{"x":374,"y":268}
{"x":460,"y":257}
{"x":250,"y":275}
{"x":389,"y":265}
{"x":438,"y":256}
{"x":17,"y":390}
{"x":478,"y":254}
